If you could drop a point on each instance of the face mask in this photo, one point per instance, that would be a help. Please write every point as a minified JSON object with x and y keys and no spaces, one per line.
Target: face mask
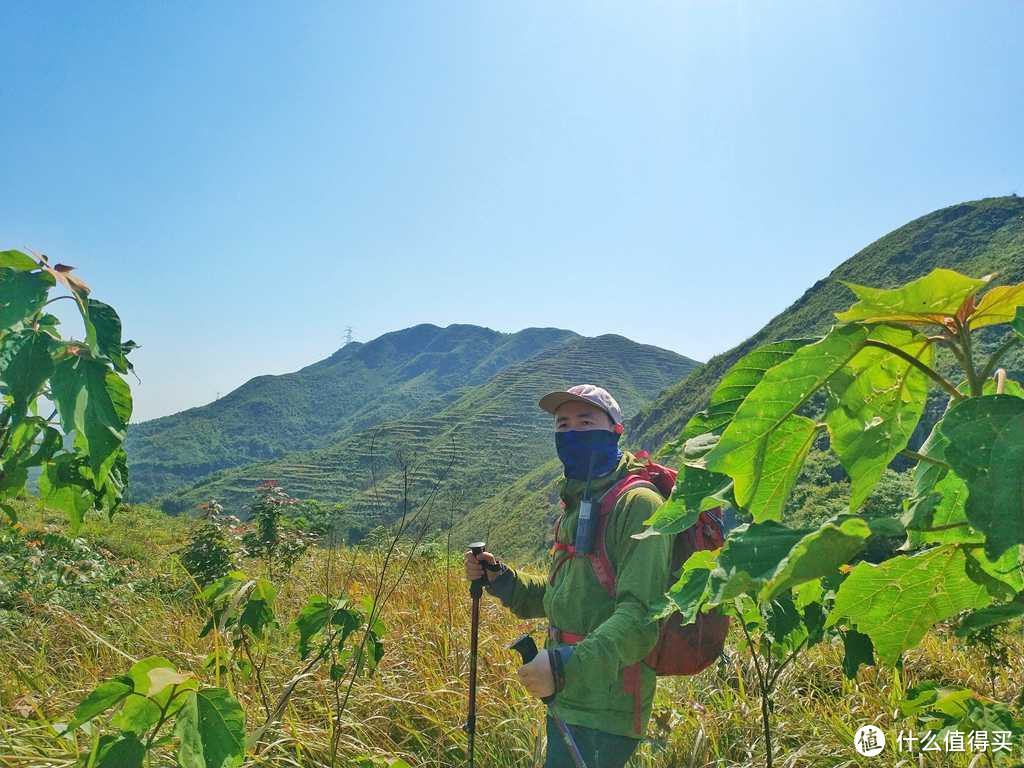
{"x":588,"y":452}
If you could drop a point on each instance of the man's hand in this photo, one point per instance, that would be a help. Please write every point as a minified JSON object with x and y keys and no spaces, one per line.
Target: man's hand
{"x":536,"y":676}
{"x":474,"y":569}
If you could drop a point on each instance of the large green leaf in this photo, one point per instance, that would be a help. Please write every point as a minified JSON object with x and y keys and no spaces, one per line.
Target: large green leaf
{"x":123,"y":751}
{"x":764,"y":490}
{"x":766,"y":435}
{"x":857,"y":650}
{"x":998,"y":305}
{"x":936,"y":513}
{"x":929,"y":300}
{"x":103,"y":333}
{"x":18,"y":261}
{"x":21,"y":294}
{"x":314,"y":618}
{"x":693,"y":492}
{"x":740,"y":380}
{"x":940,"y":516}
{"x":818,"y":554}
{"x":25,"y":364}
{"x":989,"y":617}
{"x":258,"y":613}
{"x":62,"y":487}
{"x":1003,"y":576}
{"x":104,"y":696}
{"x":92,"y":400}
{"x":875,"y":402}
{"x":986,"y":449}
{"x":691,"y":590}
{"x":750,"y":557}
{"x":211,"y":730}
{"x":156,"y":685}
{"x":897,"y":602}
{"x":1018,"y":322}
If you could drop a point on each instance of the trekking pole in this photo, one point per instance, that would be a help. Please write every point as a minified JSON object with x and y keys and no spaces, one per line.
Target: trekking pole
{"x":476,"y":589}
{"x":527,"y":649}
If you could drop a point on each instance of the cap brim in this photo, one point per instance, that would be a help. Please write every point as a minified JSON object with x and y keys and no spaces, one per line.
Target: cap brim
{"x":552,"y":401}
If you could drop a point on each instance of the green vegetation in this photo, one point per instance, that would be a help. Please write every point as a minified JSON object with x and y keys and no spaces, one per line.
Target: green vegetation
{"x":962,"y":528}
{"x":126,"y":647}
{"x":489,"y":437}
{"x":977,"y":238}
{"x":79,"y":457}
{"x":413,"y":372}
{"x":414,"y":706}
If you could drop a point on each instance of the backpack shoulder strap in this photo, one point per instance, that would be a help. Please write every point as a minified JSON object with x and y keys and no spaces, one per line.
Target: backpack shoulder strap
{"x":602,"y":564}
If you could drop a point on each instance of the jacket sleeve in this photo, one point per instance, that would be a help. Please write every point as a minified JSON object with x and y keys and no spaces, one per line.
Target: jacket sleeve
{"x":523,"y":594}
{"x":642,"y":570}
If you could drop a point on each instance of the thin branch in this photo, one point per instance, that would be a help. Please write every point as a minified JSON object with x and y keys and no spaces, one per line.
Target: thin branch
{"x":926,"y":370}
{"x":792,"y":655}
{"x":753,"y":653}
{"x":946,"y":527}
{"x":926,"y":459}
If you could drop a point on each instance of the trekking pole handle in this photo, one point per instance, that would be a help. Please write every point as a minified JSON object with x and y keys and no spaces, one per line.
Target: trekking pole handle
{"x":527,"y":649}
{"x":476,"y":587}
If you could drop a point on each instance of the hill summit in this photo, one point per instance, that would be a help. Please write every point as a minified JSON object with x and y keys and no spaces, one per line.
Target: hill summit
{"x":423,"y":391}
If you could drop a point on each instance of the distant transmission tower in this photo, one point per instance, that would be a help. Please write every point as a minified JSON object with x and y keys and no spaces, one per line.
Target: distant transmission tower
{"x":348,"y":334}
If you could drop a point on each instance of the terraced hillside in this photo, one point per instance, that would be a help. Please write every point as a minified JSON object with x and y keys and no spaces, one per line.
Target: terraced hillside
{"x":976,"y":238}
{"x":416,"y":370}
{"x":490,"y":436}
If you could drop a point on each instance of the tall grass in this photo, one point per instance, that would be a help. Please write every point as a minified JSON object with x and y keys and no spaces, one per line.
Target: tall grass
{"x":415,"y":706}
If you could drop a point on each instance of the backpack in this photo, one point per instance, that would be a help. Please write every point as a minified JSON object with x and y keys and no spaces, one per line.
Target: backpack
{"x":680,"y":649}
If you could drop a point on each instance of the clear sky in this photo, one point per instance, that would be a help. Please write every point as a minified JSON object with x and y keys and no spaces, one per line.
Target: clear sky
{"x":244,"y":180}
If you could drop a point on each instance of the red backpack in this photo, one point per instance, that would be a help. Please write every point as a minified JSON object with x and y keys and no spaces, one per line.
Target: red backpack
{"x":681,"y":649}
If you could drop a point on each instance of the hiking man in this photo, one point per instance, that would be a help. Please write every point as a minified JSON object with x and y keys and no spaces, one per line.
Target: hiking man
{"x":597,"y":640}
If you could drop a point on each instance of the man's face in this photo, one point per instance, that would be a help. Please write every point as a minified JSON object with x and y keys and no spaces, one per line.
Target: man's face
{"x":581,"y":416}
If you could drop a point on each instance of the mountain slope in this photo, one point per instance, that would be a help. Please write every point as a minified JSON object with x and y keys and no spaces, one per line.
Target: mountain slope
{"x":976,"y":238}
{"x":491,"y":435}
{"x":423,"y":367}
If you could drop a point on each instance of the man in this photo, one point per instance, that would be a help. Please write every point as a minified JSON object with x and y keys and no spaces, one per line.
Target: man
{"x":597,"y":641}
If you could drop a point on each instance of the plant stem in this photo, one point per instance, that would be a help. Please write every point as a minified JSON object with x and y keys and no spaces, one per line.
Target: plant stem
{"x":972,"y":373}
{"x":921,"y":457}
{"x":945,"y":527}
{"x":926,"y":370}
{"x":762,"y":684}
{"x":163,"y":714}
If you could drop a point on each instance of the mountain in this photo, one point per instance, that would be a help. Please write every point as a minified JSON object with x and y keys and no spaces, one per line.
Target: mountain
{"x":419,"y":369}
{"x":489,"y":436}
{"x":976,"y":238}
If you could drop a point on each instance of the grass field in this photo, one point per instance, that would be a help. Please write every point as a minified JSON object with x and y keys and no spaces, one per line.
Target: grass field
{"x":415,"y":706}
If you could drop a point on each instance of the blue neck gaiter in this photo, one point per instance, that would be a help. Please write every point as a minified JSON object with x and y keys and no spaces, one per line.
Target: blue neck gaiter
{"x":588,"y":452}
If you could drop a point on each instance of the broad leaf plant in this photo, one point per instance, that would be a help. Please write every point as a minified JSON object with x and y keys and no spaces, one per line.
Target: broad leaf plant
{"x":862,"y":390}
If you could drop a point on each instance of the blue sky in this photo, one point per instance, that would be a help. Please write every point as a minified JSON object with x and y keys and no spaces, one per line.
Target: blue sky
{"x":244,"y":180}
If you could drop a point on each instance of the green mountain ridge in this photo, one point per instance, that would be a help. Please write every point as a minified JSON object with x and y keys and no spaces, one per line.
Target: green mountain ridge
{"x":976,"y":238}
{"x":491,"y":435}
{"x":421,"y":368}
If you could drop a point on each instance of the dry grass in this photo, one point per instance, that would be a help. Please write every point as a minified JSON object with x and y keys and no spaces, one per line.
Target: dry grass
{"x":415,"y":706}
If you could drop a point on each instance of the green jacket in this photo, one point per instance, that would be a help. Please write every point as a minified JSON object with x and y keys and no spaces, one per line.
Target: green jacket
{"x":618,"y":632}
